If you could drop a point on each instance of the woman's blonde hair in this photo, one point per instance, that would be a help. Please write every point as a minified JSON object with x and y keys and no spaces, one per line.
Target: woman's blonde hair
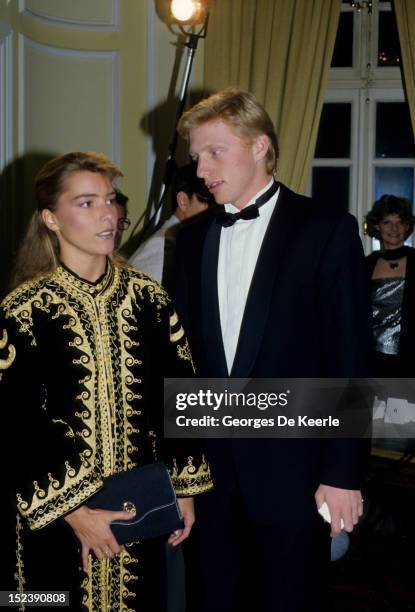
{"x":239,"y":109}
{"x":39,"y":251}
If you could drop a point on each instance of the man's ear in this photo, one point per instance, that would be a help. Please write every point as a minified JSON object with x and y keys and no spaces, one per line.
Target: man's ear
{"x":183,"y":201}
{"x":49,"y":220}
{"x":260,"y":146}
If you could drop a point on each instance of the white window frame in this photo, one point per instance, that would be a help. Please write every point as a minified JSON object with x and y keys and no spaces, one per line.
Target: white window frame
{"x":363,"y":86}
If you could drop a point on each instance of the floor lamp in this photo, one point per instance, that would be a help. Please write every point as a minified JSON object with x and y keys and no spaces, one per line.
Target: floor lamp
{"x":191,"y":16}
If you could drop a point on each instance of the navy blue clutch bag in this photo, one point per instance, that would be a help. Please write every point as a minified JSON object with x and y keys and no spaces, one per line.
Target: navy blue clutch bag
{"x":149,"y":492}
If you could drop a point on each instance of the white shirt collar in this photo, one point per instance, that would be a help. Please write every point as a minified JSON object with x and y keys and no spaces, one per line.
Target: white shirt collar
{"x":232,"y":209}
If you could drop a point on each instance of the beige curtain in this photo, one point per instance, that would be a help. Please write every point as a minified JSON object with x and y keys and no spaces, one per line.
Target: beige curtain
{"x":280,"y":50}
{"x":405,"y":18}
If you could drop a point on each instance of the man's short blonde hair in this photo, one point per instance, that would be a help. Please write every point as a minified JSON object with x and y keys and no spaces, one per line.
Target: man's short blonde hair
{"x":242,"y":111}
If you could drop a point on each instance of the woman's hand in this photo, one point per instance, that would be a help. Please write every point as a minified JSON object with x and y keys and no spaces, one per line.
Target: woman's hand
{"x":92,"y":528}
{"x":188,"y":510}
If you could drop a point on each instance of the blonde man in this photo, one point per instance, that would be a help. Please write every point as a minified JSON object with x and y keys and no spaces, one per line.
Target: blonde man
{"x":273,"y":287}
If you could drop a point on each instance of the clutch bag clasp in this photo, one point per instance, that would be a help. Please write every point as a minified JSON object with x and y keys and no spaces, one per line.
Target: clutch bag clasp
{"x":128,"y":506}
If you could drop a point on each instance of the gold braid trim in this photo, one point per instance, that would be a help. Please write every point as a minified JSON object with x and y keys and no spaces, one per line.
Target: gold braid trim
{"x":129,"y":383}
{"x":106,"y":584}
{"x":174,"y":319}
{"x":191,"y":480}
{"x":47,"y":503}
{"x":50,"y":510}
{"x":176,"y":336}
{"x":126,"y":580}
{"x":19,"y":575}
{"x":176,"y":330}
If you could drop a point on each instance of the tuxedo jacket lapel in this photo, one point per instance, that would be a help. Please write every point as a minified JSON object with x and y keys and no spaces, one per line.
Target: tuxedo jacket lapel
{"x":274,"y":251}
{"x":212,"y":332}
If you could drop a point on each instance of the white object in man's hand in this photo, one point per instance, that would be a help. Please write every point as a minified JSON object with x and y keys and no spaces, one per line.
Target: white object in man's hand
{"x":325,"y":513}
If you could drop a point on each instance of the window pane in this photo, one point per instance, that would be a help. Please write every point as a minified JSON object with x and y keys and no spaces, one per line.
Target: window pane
{"x":331,"y":186}
{"x":343,"y":48}
{"x":394,"y":181}
{"x":394,"y":137}
{"x":389,"y":51}
{"x":334,"y":131}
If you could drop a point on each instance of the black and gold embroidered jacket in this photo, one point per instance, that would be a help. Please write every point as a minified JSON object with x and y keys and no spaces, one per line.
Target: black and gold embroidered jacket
{"x":81,"y":388}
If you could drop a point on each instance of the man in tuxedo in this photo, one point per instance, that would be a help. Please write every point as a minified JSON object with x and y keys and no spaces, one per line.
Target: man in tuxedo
{"x":273,"y":286}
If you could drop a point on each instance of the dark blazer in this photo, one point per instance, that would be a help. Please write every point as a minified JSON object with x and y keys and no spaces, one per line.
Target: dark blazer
{"x":307,"y":315}
{"x":407,"y":337}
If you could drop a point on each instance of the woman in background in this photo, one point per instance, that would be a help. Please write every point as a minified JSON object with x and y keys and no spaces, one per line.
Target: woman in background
{"x":85,"y":342}
{"x":392,"y":274}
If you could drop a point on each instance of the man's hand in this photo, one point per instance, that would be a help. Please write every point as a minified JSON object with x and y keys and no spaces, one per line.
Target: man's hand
{"x":343,"y":504}
{"x":188,"y":510}
{"x":92,"y":528}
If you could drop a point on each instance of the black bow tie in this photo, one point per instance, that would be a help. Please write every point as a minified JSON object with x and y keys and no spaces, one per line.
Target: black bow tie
{"x":226,"y":219}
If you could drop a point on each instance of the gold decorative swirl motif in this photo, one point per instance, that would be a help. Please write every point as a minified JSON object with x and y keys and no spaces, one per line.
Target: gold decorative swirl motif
{"x":7,"y":362}
{"x":126,"y":577}
{"x":183,"y":352}
{"x":103,"y":327}
{"x":53,"y":508}
{"x":70,"y":470}
{"x":39,"y":492}
{"x":191,"y":480}
{"x":69,"y":431}
{"x":55,"y":483}
{"x":3,"y":341}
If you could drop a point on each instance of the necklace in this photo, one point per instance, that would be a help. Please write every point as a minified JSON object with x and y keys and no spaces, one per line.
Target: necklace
{"x":393,"y":256}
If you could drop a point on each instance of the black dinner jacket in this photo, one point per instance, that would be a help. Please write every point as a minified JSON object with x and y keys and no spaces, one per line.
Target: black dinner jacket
{"x":307,"y":315}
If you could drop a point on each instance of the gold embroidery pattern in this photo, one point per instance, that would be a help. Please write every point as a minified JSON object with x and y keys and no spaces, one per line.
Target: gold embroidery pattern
{"x":152,"y":436}
{"x":7,"y":362}
{"x":174,"y":319}
{"x":129,"y":383}
{"x":3,"y":341}
{"x":106,"y":584}
{"x":183,"y":352}
{"x":47,"y":510}
{"x":126,"y":579}
{"x":174,"y":337}
{"x":60,"y":497}
{"x":191,"y":480}
{"x":19,"y":575}
{"x":86,"y":586}
{"x":146,"y":288}
{"x":177,"y":334}
{"x":14,"y":305}
{"x":176,"y":330}
{"x":103,"y":325}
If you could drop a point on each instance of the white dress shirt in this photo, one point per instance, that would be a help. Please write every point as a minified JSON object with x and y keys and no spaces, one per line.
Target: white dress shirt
{"x":238,"y":253}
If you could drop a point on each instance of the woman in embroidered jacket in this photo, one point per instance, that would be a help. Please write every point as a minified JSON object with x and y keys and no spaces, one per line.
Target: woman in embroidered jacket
{"x":85,"y":342}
